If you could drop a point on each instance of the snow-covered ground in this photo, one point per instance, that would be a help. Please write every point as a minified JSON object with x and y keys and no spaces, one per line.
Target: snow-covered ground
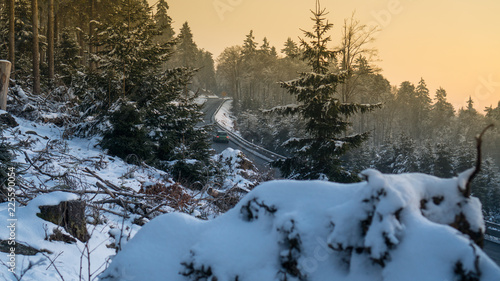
{"x":391,"y":228}
{"x":55,"y":169}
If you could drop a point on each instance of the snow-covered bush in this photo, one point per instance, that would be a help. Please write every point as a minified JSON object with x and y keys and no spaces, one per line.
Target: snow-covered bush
{"x":391,"y":227}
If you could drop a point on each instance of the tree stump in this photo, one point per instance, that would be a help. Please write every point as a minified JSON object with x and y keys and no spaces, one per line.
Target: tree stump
{"x":70,"y":215}
{"x":4,"y":82}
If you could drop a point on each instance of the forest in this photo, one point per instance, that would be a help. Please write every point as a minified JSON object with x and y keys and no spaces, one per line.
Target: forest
{"x":111,"y":58}
{"x":107,"y":161}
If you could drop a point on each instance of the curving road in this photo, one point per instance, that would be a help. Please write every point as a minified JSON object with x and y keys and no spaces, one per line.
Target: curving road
{"x":492,"y":249}
{"x":210,"y":109}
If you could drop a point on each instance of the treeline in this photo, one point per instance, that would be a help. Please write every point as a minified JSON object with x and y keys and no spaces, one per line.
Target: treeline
{"x":415,"y":129}
{"x":249,"y":73}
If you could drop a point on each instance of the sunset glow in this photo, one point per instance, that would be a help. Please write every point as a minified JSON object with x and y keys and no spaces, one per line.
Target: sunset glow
{"x":451,"y":44}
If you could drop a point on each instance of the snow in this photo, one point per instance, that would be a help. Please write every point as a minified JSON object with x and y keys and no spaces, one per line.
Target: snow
{"x":232,"y":159}
{"x":224,"y":117}
{"x":44,"y":146}
{"x":306,"y":230}
{"x":32,"y":230}
{"x":313,"y":230}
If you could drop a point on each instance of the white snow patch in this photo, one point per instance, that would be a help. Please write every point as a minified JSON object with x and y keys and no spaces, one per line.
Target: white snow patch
{"x":290,"y":228}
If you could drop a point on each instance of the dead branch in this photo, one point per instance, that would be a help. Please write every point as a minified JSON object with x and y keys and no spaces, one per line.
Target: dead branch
{"x":479,"y":141}
{"x":99,"y":185}
{"x":109,"y":184}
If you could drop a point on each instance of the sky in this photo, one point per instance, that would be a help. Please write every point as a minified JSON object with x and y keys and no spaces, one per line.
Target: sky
{"x":454,"y":44}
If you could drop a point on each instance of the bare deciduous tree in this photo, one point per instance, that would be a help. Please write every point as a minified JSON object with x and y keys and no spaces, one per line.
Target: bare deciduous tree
{"x":354,"y":51}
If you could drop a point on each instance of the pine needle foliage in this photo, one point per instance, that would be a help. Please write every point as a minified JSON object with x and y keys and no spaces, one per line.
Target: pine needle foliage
{"x":317,"y":155}
{"x":141,"y":109}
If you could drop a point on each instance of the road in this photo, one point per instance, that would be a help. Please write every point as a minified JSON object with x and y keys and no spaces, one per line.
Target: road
{"x":492,"y":249}
{"x":210,"y":108}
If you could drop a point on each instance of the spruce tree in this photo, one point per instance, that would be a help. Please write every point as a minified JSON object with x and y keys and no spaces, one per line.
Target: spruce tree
{"x":186,"y":47}
{"x":316,"y":155}
{"x":249,"y":45}
{"x":66,"y":57}
{"x":163,"y":22}
{"x":140,"y":108}
{"x":291,"y":50}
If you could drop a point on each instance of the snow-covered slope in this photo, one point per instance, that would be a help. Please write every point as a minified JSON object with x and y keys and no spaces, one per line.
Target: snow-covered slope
{"x":390,"y":228}
{"x":53,"y":169}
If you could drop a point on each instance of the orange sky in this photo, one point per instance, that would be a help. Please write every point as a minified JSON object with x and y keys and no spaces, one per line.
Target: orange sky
{"x":454,"y":44}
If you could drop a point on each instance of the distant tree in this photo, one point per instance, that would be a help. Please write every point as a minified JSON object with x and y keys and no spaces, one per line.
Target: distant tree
{"x":249,"y":45}
{"x":206,"y":74}
{"x":423,"y":97}
{"x":493,"y":113}
{"x":67,"y":59}
{"x":470,"y":121}
{"x":229,"y":71}
{"x":163,"y":22}
{"x":442,"y":112}
{"x":353,"y":53}
{"x":265,"y":47}
{"x":444,"y":158}
{"x":291,"y":49}
{"x":186,"y":49}
{"x":422,"y":110}
{"x":317,"y":154}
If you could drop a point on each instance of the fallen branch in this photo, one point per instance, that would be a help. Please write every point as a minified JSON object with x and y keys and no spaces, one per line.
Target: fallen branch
{"x":109,"y":184}
{"x":99,"y":185}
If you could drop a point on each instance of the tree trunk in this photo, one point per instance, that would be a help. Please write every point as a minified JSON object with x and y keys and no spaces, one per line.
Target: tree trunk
{"x":5,"y":67}
{"x":12,"y":37}
{"x":36,"y":52}
{"x":50,"y":38}
{"x":91,"y":33}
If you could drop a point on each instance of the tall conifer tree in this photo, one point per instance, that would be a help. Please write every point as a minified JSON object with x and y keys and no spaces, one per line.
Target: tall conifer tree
{"x":317,"y":155}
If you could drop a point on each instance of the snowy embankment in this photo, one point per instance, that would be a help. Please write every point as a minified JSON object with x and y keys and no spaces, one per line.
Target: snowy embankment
{"x":224,"y":117}
{"x":390,"y":228}
{"x":52,"y":169}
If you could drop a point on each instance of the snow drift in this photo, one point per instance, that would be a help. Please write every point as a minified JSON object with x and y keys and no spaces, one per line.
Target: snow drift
{"x":391,"y":227}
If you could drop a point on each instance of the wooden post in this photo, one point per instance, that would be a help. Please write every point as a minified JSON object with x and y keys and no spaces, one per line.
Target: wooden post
{"x":4,"y":82}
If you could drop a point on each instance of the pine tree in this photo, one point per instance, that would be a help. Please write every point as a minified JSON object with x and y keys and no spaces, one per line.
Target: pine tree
{"x":265,"y":47}
{"x":422,"y":109}
{"x":291,"y":50}
{"x":493,"y":113}
{"x":163,"y":22}
{"x":186,"y":49}
{"x":141,"y":109}
{"x":127,"y":48}
{"x":443,"y":166}
{"x":442,"y":112}
{"x":317,"y":155}
{"x":66,"y":57}
{"x":249,"y":45}
{"x":470,"y":121}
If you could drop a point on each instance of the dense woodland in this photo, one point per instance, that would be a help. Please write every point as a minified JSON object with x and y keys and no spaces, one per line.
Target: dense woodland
{"x":115,"y":58}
